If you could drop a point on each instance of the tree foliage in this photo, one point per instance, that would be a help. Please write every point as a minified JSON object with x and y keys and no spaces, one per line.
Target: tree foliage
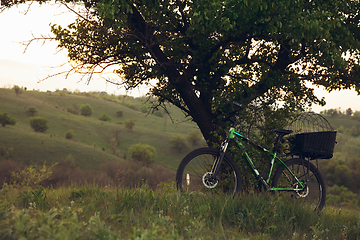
{"x":178,"y":143}
{"x":142,"y":152}
{"x":39,"y":124}
{"x":17,"y":90}
{"x":32,"y":111}
{"x":105,"y":117}
{"x":129,"y":124}
{"x":86,"y":110}
{"x":7,"y":119}
{"x":199,"y":55}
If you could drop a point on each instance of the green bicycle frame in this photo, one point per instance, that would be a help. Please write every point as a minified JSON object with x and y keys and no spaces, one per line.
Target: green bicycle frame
{"x":233,"y":135}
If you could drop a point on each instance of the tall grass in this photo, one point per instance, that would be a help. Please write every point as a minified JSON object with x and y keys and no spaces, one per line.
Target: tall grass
{"x":91,"y":212}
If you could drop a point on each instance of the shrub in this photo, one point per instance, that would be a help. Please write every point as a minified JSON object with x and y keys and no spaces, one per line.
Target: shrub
{"x":131,"y":174}
{"x":2,"y":150}
{"x":144,"y":109}
{"x":32,"y":175}
{"x":73,"y":111}
{"x":6,"y":152}
{"x":159,"y":114}
{"x":194,"y":138}
{"x":69,"y":134}
{"x":9,"y":153}
{"x":129,"y":124}
{"x":17,"y":90}
{"x":113,"y":143}
{"x":105,"y":118}
{"x":116,"y":131}
{"x":142,"y":152}
{"x":7,"y":167}
{"x":86,"y":110}
{"x":119,"y":113}
{"x":178,"y":143}
{"x":7,"y":119}
{"x":129,"y":105}
{"x":32,"y":111}
{"x":39,"y":124}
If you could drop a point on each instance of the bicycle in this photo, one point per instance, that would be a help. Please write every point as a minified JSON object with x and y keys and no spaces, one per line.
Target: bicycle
{"x":209,"y":169}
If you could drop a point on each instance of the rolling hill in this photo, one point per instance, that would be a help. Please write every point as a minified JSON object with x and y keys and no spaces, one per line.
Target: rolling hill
{"x":91,"y":145}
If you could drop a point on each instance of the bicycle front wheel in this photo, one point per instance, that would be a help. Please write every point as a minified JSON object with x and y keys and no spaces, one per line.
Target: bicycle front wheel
{"x":314,"y":192}
{"x":194,"y":173}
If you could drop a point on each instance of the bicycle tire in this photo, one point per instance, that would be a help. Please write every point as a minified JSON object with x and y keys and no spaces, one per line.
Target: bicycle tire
{"x":194,"y":169}
{"x":315,"y":192}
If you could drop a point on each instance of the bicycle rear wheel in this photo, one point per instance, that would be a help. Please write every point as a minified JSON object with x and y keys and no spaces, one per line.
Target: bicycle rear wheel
{"x":194,"y":173}
{"x":314,"y":192}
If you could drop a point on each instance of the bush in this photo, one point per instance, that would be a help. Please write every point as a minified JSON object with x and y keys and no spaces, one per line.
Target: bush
{"x":7,"y":119}
{"x":32,"y":175}
{"x":105,"y":118}
{"x":142,"y":152}
{"x":194,"y":138}
{"x":129,"y":124}
{"x":39,"y":124}
{"x":159,"y":114}
{"x":119,"y":113}
{"x":132,"y":174}
{"x":69,"y":134}
{"x":86,"y":110}
{"x":17,"y":90}
{"x":178,"y":143}
{"x":6,"y":152}
{"x":7,"y":167}
{"x":129,"y":105}
{"x":32,"y":111}
{"x":73,"y":111}
{"x":144,"y":109}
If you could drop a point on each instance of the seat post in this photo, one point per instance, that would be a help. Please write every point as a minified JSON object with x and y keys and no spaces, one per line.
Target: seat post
{"x":281,"y":133}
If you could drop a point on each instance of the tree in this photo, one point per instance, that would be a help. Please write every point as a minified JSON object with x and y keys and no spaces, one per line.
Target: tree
{"x":69,"y":134}
{"x":17,"y":90}
{"x":105,"y":117}
{"x":199,"y":55}
{"x":142,"y":152}
{"x":39,"y":124}
{"x":86,"y":110}
{"x":129,"y":124}
{"x":178,"y":143}
{"x":7,"y":119}
{"x":194,"y":138}
{"x":349,"y":112}
{"x":32,"y":111}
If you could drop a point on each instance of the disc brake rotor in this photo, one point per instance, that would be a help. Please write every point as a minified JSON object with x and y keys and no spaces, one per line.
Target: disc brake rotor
{"x":302,"y":193}
{"x":209,"y":181}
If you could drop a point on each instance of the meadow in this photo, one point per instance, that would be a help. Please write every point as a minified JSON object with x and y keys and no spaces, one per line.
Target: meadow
{"x":87,"y":187}
{"x":90,"y":212}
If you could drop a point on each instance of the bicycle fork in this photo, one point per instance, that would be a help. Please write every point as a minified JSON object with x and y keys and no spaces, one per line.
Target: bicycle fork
{"x":217,"y":163}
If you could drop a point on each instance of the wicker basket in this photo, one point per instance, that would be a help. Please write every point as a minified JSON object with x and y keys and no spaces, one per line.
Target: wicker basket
{"x":314,"y":144}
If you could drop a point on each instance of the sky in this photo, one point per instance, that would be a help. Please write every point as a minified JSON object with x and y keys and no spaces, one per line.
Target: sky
{"x":43,"y":58}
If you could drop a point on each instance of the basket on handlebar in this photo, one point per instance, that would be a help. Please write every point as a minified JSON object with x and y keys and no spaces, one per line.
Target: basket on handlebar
{"x":313,"y":136}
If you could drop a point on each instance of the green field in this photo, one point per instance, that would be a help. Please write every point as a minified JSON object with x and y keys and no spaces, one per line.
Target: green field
{"x":90,"y":145}
{"x":113,"y":202}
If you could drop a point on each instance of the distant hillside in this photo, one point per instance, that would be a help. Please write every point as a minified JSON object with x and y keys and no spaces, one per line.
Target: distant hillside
{"x":91,"y":145}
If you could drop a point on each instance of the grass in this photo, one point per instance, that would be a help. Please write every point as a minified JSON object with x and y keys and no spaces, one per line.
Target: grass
{"x":108,"y":209}
{"x":91,"y":143}
{"x":140,"y":213}
{"x":345,"y":121}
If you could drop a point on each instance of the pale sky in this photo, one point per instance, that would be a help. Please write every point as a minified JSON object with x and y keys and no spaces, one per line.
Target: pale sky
{"x":41,"y":59}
